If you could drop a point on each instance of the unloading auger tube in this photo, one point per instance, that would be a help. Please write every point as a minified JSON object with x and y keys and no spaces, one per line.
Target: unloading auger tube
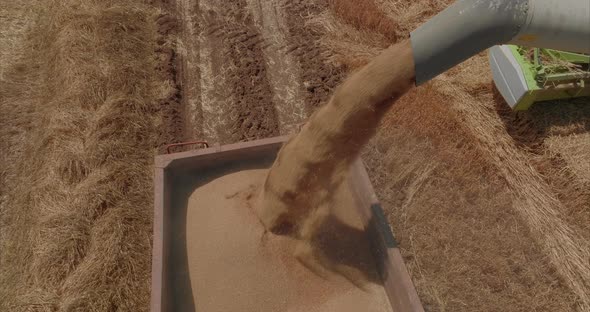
{"x":471,"y":26}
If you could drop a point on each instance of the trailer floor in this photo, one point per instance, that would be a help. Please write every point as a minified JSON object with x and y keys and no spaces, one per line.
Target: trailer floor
{"x":229,"y":252}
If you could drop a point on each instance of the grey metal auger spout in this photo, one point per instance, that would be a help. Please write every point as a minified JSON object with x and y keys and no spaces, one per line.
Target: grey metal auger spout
{"x":471,"y":26}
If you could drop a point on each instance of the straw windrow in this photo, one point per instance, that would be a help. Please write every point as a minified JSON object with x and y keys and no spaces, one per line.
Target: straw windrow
{"x":76,"y":219}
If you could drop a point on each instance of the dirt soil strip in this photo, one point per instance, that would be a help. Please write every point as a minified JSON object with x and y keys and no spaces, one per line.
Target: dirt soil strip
{"x":251,"y":69}
{"x":318,"y":76}
{"x":217,"y":97}
{"x":254,"y":114}
{"x":227,"y":91}
{"x":190,"y":69}
{"x":284,"y":73}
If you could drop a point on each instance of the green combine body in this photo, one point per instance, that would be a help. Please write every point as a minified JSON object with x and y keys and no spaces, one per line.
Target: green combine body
{"x":528,"y":75}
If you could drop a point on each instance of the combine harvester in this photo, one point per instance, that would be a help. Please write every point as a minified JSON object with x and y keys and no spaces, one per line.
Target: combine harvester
{"x":526,"y":69}
{"x":525,"y":76}
{"x":332,"y":139}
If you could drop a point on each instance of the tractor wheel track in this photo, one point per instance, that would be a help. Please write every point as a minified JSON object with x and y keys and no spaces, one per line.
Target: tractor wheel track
{"x":250,"y":69}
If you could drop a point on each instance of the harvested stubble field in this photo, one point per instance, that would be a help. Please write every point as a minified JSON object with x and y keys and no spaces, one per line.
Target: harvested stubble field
{"x":491,"y":208}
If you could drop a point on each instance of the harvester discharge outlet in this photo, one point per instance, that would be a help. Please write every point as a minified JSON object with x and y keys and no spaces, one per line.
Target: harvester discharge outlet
{"x":525,"y":76}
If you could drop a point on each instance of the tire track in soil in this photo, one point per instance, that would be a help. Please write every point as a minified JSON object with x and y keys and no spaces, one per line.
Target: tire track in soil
{"x":188,"y":67}
{"x":217,"y":97}
{"x":318,"y":77}
{"x":253,"y":115}
{"x":171,"y":106}
{"x":250,"y":69}
{"x":226,"y":91}
{"x":284,"y":72}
